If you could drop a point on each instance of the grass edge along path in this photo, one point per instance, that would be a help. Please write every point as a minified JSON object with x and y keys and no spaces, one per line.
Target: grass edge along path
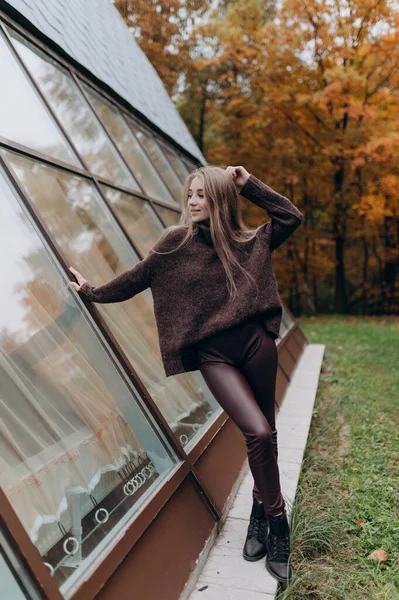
{"x":347,"y":501}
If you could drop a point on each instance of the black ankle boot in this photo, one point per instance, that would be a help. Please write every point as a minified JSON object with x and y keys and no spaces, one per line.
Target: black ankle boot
{"x":278,"y":548}
{"x":255,"y":542}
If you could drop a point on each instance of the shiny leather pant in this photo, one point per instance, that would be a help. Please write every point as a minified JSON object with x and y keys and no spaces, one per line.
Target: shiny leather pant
{"x":239,"y":366}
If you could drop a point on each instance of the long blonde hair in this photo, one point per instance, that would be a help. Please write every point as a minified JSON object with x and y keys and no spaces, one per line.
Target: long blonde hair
{"x":226,"y":224}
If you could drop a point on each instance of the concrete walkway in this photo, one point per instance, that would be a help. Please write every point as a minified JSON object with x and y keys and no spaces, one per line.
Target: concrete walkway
{"x":222,"y":573}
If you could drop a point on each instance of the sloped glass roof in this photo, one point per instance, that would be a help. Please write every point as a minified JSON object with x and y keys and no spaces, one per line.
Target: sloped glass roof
{"x":93,"y":33}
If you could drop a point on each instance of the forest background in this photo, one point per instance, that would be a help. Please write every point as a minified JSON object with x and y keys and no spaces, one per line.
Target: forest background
{"x":305,"y":95}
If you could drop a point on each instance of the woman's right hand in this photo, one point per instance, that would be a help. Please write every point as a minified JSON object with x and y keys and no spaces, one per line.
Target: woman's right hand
{"x":240,"y":176}
{"x":79,"y":277}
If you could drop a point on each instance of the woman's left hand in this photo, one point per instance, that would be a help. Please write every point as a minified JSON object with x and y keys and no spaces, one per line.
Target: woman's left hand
{"x":240,"y":176}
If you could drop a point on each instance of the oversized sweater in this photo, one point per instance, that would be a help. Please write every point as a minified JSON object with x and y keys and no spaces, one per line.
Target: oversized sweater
{"x":189,"y":286}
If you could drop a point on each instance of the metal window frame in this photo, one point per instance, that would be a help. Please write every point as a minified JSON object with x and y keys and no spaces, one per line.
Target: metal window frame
{"x":107,"y":562}
{"x":150,"y":134}
{"x":102,"y":88}
{"x":141,"y":194}
{"x":126,"y":121}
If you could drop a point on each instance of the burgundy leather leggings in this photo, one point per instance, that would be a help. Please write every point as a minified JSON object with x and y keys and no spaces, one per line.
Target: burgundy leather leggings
{"x":239,"y":366}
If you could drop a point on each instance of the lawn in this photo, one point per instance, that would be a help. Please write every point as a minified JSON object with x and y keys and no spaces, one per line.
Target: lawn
{"x":347,"y":502}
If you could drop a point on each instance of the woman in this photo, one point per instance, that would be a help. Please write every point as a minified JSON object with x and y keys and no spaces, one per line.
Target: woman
{"x":218,"y":310}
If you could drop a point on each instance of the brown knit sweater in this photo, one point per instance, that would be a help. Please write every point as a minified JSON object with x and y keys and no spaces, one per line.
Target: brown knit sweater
{"x":191,"y":299}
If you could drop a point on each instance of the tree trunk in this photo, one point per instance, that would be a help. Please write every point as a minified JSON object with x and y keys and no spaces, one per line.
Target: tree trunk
{"x":339,"y":231}
{"x":365,"y":274}
{"x":202,"y":121}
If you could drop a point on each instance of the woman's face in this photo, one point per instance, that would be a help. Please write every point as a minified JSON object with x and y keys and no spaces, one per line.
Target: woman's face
{"x":197,"y":201}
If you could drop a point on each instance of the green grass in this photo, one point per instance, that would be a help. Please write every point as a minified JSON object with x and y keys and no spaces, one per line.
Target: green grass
{"x":347,"y":503}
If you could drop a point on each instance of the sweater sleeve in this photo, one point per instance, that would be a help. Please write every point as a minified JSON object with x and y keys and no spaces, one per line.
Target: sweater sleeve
{"x":285,"y":217}
{"x":124,"y":286}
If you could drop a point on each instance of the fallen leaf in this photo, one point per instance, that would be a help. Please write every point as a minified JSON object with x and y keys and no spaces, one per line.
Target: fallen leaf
{"x":345,"y":492}
{"x":378,"y":554}
{"x":339,"y":347}
{"x":359,"y":522}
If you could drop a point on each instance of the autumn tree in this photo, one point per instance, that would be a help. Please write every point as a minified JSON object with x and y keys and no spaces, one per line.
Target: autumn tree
{"x":305,"y":95}
{"x":161,"y":29}
{"x":308,"y":98}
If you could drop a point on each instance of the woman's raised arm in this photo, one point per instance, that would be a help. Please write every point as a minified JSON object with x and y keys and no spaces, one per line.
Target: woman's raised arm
{"x":285,"y":216}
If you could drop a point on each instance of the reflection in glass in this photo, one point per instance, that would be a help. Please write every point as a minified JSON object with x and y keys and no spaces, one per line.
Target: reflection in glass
{"x":9,"y":587}
{"x":137,"y":216}
{"x":129,"y":147}
{"x":283,"y":328}
{"x":288,"y":320}
{"x":74,"y":113}
{"x":23,"y":117}
{"x":93,"y":243}
{"x":286,"y":324}
{"x":158,"y":159}
{"x":191,"y":166}
{"x":170,"y":217}
{"x":178,"y":164}
{"x":79,"y":454}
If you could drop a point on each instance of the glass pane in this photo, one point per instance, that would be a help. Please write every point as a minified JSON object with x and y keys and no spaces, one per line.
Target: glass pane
{"x":158,"y":159}
{"x":283,"y":328}
{"x":23,"y":117}
{"x":9,"y":588}
{"x":191,"y":166}
{"x":74,"y":113}
{"x":170,"y":217}
{"x":137,"y":216}
{"x":289,"y":322}
{"x":79,"y":452}
{"x":179,"y":165}
{"x":130,"y":148}
{"x":93,"y":243}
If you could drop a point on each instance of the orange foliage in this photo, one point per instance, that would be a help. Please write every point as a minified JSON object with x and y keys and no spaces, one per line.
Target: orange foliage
{"x":307,"y":98}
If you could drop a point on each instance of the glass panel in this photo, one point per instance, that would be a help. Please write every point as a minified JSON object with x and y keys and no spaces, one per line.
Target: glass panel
{"x":92,"y":242}
{"x":79,"y":453}
{"x":283,"y":327}
{"x":289,"y":322}
{"x":130,"y":148}
{"x":179,"y":165}
{"x":16,"y":581}
{"x":74,"y":113}
{"x":137,"y":216}
{"x":158,"y":159}
{"x":23,"y":117}
{"x":170,"y":217}
{"x":191,"y":166}
{"x":9,"y":588}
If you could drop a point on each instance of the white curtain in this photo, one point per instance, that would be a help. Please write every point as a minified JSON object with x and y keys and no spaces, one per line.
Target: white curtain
{"x":60,"y":426}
